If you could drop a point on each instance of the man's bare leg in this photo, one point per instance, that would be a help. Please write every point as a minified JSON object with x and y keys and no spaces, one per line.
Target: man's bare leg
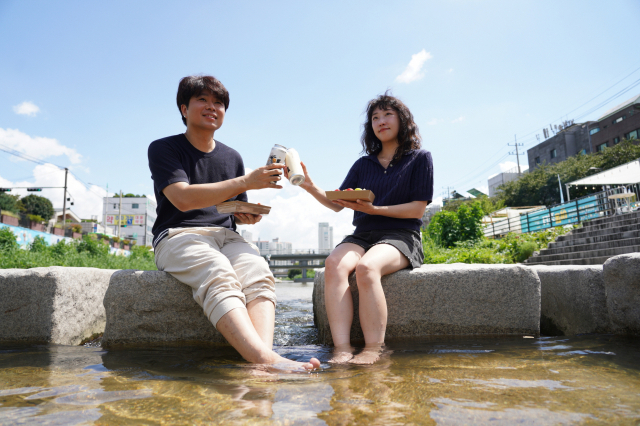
{"x":237,"y":328}
{"x":263,"y":315}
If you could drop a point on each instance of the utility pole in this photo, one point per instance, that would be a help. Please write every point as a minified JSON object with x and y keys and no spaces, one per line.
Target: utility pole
{"x":119,"y":214}
{"x":64,"y":202}
{"x":516,"y":144}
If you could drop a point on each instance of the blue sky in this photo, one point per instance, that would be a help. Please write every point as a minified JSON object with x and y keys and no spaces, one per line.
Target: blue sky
{"x":103,"y":77}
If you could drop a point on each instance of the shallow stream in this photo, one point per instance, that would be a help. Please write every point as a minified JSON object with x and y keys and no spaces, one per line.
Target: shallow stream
{"x":516,"y":380}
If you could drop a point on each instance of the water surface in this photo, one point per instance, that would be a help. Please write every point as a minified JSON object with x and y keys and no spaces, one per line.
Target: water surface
{"x":516,"y":380}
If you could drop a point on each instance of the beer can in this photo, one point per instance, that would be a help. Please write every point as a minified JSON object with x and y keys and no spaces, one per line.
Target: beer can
{"x":294,"y":168}
{"x":278,"y":155}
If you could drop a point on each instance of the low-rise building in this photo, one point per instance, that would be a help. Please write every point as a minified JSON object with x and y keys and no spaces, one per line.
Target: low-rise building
{"x":618,"y":123}
{"x":568,"y":142}
{"x":502,"y":178}
{"x":131,"y":217}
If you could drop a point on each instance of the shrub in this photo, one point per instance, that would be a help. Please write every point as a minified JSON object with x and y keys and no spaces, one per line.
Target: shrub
{"x":8,"y":240}
{"x":76,"y":228}
{"x":35,"y":218}
{"x":525,"y":251}
{"x":9,"y":213}
{"x":38,"y":245}
{"x":115,"y":239}
{"x":443,"y":228}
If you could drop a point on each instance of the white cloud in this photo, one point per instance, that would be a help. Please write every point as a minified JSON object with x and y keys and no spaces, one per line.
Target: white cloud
{"x":26,"y":108}
{"x":87,"y":201}
{"x":458,"y":120}
{"x":413,"y":70}
{"x":434,"y":121}
{"x":294,"y":217}
{"x":450,"y":70}
{"x":437,"y":201}
{"x":37,"y":147}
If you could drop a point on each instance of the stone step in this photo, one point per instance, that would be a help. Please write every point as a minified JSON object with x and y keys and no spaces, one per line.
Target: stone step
{"x":608,"y":218}
{"x":598,"y":237}
{"x":591,"y":246}
{"x":584,"y":261}
{"x":580,"y":233}
{"x":614,"y":222}
{"x":575,"y":256}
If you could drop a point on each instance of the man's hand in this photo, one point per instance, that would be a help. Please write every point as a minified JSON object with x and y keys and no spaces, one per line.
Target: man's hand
{"x":247,"y":218}
{"x":263,"y":176}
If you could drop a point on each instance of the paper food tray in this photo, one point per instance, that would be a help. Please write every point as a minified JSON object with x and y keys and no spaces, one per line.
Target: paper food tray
{"x":351,"y":195}
{"x":242,"y":207}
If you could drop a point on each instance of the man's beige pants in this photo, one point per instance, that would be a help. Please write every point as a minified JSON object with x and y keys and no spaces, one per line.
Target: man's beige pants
{"x":224,"y":270}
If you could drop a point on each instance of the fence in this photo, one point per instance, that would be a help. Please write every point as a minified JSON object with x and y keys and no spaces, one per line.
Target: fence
{"x":573,"y":212}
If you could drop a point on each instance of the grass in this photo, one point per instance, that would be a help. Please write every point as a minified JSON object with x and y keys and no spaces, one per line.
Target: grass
{"x":512,"y":248}
{"x":86,"y":253}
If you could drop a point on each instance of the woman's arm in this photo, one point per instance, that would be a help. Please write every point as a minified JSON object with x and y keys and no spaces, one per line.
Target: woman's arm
{"x":316,"y":191}
{"x":412,"y":210}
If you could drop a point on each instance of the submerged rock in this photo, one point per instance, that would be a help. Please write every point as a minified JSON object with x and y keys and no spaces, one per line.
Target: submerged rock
{"x":622,"y":283}
{"x":52,"y":305}
{"x":456,"y":299}
{"x":150,"y":308}
{"x":573,"y":300}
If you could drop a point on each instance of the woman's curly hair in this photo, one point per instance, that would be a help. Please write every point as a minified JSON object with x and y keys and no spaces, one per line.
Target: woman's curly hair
{"x":408,"y":135}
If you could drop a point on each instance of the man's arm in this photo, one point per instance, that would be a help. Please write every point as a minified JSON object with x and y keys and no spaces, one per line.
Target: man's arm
{"x":198,"y":196}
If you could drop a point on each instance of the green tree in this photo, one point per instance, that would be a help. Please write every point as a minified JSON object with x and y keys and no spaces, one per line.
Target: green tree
{"x":36,"y":205}
{"x":293,"y":272}
{"x":9,"y":202}
{"x":540,"y":187}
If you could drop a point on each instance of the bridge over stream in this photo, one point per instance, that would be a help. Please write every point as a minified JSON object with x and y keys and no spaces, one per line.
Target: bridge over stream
{"x":284,"y":262}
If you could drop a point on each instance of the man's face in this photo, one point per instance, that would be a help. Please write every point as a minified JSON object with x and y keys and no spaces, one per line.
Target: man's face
{"x":205,"y":111}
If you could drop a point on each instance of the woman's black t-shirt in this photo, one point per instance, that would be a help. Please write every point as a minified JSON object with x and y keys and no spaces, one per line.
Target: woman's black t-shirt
{"x":174,"y":159}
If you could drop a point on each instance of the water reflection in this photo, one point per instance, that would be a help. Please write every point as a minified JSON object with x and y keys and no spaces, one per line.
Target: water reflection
{"x":440,"y":381}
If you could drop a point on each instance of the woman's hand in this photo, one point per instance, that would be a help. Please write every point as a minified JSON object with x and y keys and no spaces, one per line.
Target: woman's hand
{"x":308,"y":183}
{"x":247,"y":218}
{"x":263,"y":176}
{"x":358,"y":205}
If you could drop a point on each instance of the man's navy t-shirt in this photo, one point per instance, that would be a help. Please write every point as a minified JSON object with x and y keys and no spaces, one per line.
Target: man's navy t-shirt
{"x":409,"y":179}
{"x":174,"y":159}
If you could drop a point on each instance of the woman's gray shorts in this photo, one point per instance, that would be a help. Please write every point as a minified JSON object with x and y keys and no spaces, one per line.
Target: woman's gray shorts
{"x":407,"y":241}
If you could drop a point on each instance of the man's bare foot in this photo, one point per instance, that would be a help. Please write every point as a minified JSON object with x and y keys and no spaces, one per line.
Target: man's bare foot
{"x":369,"y":355}
{"x":341,"y":354}
{"x":286,"y":365}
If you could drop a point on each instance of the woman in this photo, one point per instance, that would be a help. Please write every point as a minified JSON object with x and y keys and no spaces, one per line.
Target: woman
{"x":387,"y":235}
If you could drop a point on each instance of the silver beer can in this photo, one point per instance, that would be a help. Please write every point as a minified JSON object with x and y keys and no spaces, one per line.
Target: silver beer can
{"x":278,"y":155}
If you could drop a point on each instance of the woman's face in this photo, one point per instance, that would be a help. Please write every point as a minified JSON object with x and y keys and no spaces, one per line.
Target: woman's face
{"x":386,"y":124}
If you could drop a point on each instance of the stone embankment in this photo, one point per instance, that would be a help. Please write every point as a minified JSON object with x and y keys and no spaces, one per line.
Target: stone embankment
{"x":135,"y":308}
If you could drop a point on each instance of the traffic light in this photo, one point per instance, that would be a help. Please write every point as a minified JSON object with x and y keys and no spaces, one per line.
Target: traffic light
{"x":5,"y":189}
{"x":34,"y":189}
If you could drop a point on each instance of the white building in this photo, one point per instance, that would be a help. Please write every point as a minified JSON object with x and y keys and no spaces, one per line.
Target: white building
{"x":325,"y":237}
{"x":131,"y":220}
{"x":502,"y":178}
{"x":248,"y":236}
{"x":274,"y":247}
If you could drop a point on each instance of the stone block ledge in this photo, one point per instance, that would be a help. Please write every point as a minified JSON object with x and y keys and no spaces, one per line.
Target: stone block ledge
{"x":455,"y":299}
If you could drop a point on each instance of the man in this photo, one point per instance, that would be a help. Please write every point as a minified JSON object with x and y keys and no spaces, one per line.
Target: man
{"x":192,"y":172}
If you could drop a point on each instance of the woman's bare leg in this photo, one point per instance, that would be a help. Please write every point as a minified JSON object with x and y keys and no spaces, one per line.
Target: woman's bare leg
{"x":381,"y":259}
{"x":337,"y":296}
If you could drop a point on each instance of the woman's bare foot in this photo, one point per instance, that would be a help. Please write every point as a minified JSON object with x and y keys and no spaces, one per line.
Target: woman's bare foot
{"x":341,"y":354}
{"x":369,"y":355}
